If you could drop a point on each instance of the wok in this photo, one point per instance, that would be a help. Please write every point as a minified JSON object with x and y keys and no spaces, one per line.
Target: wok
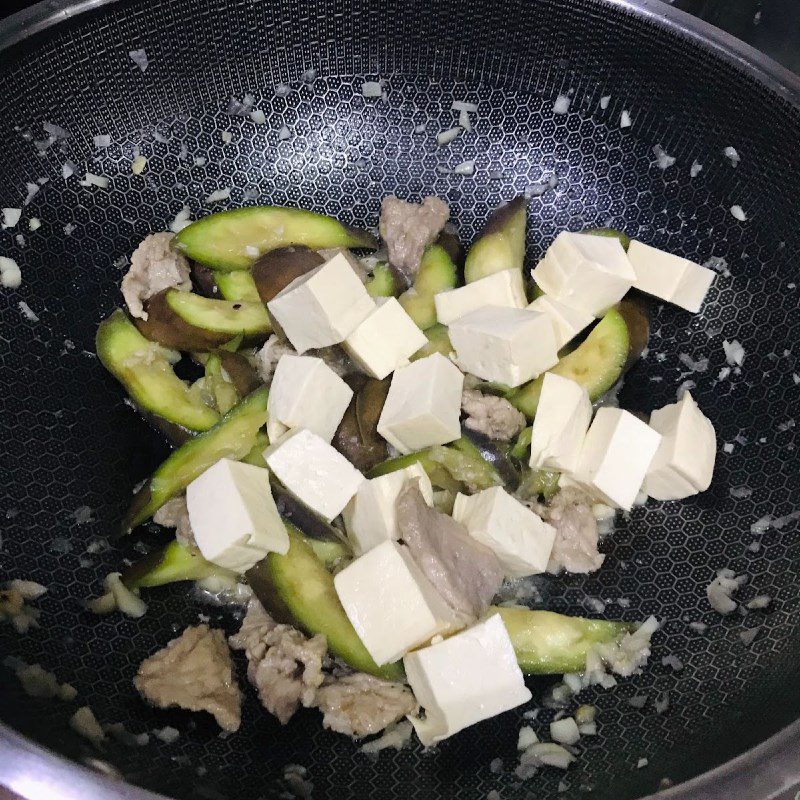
{"x":72,"y":450}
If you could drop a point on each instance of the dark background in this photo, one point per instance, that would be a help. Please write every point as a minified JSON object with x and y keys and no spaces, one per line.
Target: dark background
{"x":775,"y":30}
{"x":772,"y":26}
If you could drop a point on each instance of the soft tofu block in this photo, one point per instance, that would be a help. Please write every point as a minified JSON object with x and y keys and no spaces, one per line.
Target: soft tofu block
{"x":615,"y":456}
{"x":313,"y":471}
{"x":322,"y":307}
{"x":465,"y":679}
{"x":684,"y":462}
{"x":567,"y":322}
{"x":307,"y":393}
{"x":355,"y":264}
{"x":371,"y":517}
{"x":385,"y":340}
{"x":390,"y":603}
{"x":505,"y":289}
{"x":519,"y":538}
{"x":590,"y":273}
{"x":668,"y":277}
{"x":233,"y":515}
{"x":507,"y":345}
{"x":423,"y":405}
{"x":559,"y":427}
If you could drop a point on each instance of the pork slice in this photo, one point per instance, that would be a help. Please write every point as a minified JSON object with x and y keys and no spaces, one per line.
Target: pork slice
{"x":194,"y":672}
{"x":361,"y":705}
{"x":466,"y":573}
{"x":155,"y":266}
{"x":408,"y":228}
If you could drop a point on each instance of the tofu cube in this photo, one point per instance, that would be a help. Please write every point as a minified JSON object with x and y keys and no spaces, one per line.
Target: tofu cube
{"x":559,"y":427}
{"x":233,"y":515}
{"x":615,"y":456}
{"x":313,"y":471}
{"x":322,"y":307}
{"x":567,"y":322}
{"x":307,"y":393}
{"x":507,"y":345}
{"x":519,"y":538}
{"x":590,"y":273}
{"x":668,"y":277}
{"x":504,"y":288}
{"x":370,"y":518}
{"x":423,"y":405}
{"x":390,"y":603}
{"x":355,"y":263}
{"x":465,"y":679}
{"x":684,"y":462}
{"x":385,"y":340}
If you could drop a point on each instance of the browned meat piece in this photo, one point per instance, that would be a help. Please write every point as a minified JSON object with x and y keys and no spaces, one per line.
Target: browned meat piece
{"x":492,"y":416}
{"x":575,"y":546}
{"x":155,"y":266}
{"x":175,"y":514}
{"x":466,"y":573}
{"x":408,"y":228}
{"x":194,"y":672}
{"x":283,"y":665}
{"x":360,"y":705}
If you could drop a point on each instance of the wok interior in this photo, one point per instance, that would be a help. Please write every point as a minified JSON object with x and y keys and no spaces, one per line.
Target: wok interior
{"x":70,"y":442}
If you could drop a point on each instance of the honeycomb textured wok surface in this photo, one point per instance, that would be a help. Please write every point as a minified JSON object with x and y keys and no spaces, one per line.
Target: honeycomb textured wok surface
{"x":72,"y":449}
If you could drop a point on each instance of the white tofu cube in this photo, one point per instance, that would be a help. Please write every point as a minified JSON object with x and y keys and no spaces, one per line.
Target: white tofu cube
{"x":567,"y":322}
{"x":519,"y":538}
{"x":684,"y":462}
{"x":390,"y":603}
{"x":322,"y":307}
{"x":507,"y":345}
{"x":385,"y":340}
{"x":668,"y":277}
{"x":313,"y":471}
{"x":504,"y":288}
{"x":233,"y":516}
{"x":615,"y":456}
{"x":307,"y":393}
{"x":590,"y":273}
{"x":465,"y":679}
{"x":423,"y":405}
{"x":559,"y":427}
{"x":355,"y":264}
{"x":371,"y":517}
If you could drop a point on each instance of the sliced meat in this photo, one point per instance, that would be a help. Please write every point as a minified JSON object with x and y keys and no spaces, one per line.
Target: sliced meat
{"x":175,"y":514}
{"x":194,"y":672}
{"x":155,"y":266}
{"x":408,"y":228}
{"x":466,"y":573}
{"x":575,"y":547}
{"x":492,"y":416}
{"x":360,"y":705}
{"x":284,"y":666}
{"x":270,"y":354}
{"x":267,"y":358}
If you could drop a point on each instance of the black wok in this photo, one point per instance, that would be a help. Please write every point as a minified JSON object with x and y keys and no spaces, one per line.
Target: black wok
{"x":69,"y":442}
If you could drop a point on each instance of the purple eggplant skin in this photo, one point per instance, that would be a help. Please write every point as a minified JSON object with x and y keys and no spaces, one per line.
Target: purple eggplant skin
{"x":295,"y":511}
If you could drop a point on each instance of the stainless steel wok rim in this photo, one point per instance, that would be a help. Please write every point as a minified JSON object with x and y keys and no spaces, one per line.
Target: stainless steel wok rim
{"x":762,"y":773}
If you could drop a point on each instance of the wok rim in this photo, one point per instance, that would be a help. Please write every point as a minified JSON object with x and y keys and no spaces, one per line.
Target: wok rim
{"x":763,"y":772}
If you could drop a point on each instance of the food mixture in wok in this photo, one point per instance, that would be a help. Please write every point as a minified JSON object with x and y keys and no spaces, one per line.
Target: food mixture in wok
{"x":386,"y":440}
